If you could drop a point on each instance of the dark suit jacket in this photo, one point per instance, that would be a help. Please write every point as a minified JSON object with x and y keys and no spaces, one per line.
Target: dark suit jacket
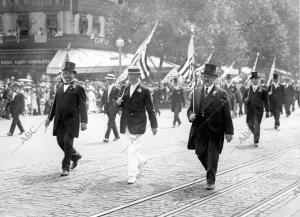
{"x":289,"y":93}
{"x":177,"y":98}
{"x":277,"y":97}
{"x":212,"y":115}
{"x":108,"y":102}
{"x":17,"y":105}
{"x":70,"y":108}
{"x":157,"y":95}
{"x":256,"y":103}
{"x":134,"y":110}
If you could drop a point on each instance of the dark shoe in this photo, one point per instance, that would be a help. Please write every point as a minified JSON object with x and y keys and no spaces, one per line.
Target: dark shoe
{"x":75,"y":161}
{"x":210,"y":186}
{"x":105,"y":140}
{"x":276,"y":127}
{"x":9,"y":134}
{"x":256,"y":143}
{"x":117,"y":138}
{"x":64,"y":173}
{"x":21,"y":132}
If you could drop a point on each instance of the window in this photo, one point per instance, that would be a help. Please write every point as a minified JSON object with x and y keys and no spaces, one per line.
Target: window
{"x":22,"y":25}
{"x":51,"y":25}
{"x":96,"y":26}
{"x":83,"y":25}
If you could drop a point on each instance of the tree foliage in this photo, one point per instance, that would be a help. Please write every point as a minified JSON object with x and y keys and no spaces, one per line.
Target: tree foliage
{"x":234,"y":30}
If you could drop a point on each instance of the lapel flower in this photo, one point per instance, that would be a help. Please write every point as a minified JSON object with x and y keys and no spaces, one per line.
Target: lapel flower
{"x":214,"y":93}
{"x":139,"y":90}
{"x":72,"y":86}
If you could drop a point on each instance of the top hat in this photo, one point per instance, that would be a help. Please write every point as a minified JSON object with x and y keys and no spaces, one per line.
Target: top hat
{"x":110,"y":77}
{"x":210,"y":69}
{"x":254,"y":75}
{"x":275,"y":76}
{"x":70,"y":67}
{"x":134,"y":70}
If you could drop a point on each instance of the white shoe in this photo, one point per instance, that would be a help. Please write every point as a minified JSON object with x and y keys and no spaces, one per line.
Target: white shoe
{"x":141,"y":167}
{"x":131,"y":180}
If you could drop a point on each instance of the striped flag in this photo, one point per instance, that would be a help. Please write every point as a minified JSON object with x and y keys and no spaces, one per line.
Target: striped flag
{"x":139,"y":59}
{"x":186,"y":70}
{"x":271,"y":72}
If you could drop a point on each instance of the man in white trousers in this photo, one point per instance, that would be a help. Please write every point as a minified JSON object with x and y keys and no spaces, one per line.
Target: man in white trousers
{"x":135,"y":100}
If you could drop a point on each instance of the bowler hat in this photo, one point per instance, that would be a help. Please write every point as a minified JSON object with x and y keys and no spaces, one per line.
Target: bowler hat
{"x":275,"y":76}
{"x":210,"y":69}
{"x":69,"y":66}
{"x":134,"y":70}
{"x":110,"y":77}
{"x":254,"y":75}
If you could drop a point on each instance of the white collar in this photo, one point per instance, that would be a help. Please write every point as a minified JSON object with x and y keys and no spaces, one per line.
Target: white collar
{"x":254,"y":87}
{"x":209,"y":88}
{"x":134,"y":85}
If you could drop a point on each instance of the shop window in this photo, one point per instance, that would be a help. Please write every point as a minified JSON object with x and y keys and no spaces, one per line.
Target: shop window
{"x":22,"y":26}
{"x":51,"y":25}
{"x":83,"y":25}
{"x":96,"y":27}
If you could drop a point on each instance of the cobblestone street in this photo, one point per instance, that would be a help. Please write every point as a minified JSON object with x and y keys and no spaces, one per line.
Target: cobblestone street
{"x":251,"y":181}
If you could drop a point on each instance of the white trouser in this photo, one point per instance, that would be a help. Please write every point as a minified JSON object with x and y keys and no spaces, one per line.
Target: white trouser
{"x":134,"y":156}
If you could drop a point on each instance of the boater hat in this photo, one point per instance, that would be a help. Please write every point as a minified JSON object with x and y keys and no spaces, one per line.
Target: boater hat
{"x":110,"y":77}
{"x":70,"y":67}
{"x":210,"y":69}
{"x":134,"y":70}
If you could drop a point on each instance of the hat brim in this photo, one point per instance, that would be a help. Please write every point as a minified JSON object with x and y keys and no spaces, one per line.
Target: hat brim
{"x":255,"y":77}
{"x":212,"y":75}
{"x":134,"y":73}
{"x":75,"y":72}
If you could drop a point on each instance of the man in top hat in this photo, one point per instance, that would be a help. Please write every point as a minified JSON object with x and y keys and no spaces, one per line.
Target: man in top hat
{"x":69,"y":113}
{"x":255,"y":98}
{"x":209,"y":113}
{"x":289,"y":94}
{"x":135,"y":101}
{"x":17,"y":107}
{"x":276,"y":97}
{"x":177,"y":99}
{"x":108,"y":101}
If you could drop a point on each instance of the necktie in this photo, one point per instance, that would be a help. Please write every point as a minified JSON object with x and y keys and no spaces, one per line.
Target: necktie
{"x":206,"y":91}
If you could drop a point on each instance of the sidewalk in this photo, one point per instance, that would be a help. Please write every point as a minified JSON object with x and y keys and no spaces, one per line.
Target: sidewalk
{"x":291,"y":209}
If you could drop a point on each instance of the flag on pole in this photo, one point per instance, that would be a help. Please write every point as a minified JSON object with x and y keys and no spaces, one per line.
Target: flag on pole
{"x":201,"y":68}
{"x":139,"y":59}
{"x":255,"y":63}
{"x":271,"y":72}
{"x":186,"y":70}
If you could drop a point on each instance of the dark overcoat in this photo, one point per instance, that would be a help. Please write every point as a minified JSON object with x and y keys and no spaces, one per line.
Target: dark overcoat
{"x":177,"y":99}
{"x":17,"y":105}
{"x":134,"y":110}
{"x":256,"y":102}
{"x":109,"y":102}
{"x":277,"y":97}
{"x":70,"y":108}
{"x":212,"y":116}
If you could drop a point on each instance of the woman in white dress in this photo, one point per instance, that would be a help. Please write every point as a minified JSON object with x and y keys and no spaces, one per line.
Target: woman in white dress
{"x":92,"y":100}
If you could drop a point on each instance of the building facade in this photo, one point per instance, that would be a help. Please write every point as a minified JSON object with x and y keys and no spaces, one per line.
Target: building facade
{"x":31,"y":32}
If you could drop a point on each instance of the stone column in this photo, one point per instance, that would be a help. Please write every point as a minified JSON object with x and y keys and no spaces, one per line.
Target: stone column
{"x":89,"y":17}
{"x":76,"y":23}
{"x":102,"y":26}
{"x":60,"y":23}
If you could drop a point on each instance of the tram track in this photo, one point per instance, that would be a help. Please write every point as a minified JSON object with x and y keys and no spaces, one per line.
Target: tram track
{"x":207,"y":198}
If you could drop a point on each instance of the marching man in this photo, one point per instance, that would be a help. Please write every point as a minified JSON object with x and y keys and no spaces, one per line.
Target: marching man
{"x":135,"y":101}
{"x":69,"y":112}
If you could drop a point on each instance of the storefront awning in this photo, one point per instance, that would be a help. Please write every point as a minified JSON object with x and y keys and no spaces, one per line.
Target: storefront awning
{"x":95,"y":61}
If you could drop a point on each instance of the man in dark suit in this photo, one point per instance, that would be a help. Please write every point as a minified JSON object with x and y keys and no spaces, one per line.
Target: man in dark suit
{"x":289,"y":94}
{"x":157,"y":96}
{"x":177,"y":99}
{"x":68,"y":111}
{"x":135,"y":101}
{"x":276,"y":98}
{"x":17,"y":107}
{"x":209,"y":113}
{"x":108,"y":101}
{"x":256,"y":99}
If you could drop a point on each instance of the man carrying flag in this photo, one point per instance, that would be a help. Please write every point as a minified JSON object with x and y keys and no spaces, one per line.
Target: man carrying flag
{"x":135,"y":101}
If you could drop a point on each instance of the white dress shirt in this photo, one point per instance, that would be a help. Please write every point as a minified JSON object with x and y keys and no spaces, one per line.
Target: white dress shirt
{"x":209,"y":89}
{"x":133,"y":87}
{"x":109,"y":90}
{"x":66,"y":87}
{"x":254,"y":87}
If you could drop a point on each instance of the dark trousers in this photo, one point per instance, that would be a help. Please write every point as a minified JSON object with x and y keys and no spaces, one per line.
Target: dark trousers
{"x":111,"y":124}
{"x":16,"y":122}
{"x":287,"y":107}
{"x":176,"y":117}
{"x":207,"y":150}
{"x":254,"y":126}
{"x":276,"y":114}
{"x":65,"y":142}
